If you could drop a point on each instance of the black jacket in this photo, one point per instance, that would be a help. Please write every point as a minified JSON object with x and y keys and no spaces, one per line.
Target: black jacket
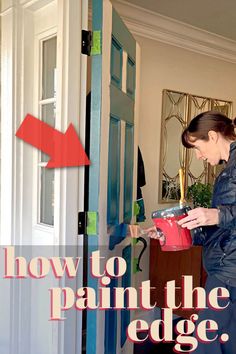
{"x":219,"y":242}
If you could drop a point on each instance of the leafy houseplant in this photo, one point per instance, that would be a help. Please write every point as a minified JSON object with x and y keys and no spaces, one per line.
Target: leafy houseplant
{"x":200,"y":194}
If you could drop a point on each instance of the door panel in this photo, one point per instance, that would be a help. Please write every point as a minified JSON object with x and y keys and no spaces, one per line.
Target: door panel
{"x":130,"y":77}
{"x":126,"y":281}
{"x":128,"y":175}
{"x":113,"y":187}
{"x":113,"y":149}
{"x":110,"y":341}
{"x":122,"y":105}
{"x":116,"y":63}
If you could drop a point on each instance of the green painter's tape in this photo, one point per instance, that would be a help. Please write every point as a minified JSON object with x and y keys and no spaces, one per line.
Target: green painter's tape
{"x":92,"y":223}
{"x":135,"y":265}
{"x":136,"y":208}
{"x":97,"y":45}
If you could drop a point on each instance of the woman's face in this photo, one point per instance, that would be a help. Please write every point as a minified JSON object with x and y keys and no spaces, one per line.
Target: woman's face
{"x":207,"y":150}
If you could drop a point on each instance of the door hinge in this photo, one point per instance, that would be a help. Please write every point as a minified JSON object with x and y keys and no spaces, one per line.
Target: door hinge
{"x":91,"y":42}
{"x":87,"y":223}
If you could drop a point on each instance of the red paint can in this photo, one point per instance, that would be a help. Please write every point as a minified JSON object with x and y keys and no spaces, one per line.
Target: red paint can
{"x":176,"y":238}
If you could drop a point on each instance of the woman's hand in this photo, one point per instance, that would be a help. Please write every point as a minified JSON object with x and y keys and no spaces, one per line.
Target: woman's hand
{"x":200,"y":217}
{"x":152,"y":232}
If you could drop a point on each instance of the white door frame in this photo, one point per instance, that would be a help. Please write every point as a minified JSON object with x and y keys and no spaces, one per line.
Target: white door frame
{"x":17,"y":157}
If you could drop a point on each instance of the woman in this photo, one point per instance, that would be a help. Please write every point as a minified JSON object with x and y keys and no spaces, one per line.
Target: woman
{"x":211,"y":135}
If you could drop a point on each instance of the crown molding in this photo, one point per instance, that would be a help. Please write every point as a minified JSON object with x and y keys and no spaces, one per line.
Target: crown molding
{"x":149,"y":24}
{"x":8,"y":6}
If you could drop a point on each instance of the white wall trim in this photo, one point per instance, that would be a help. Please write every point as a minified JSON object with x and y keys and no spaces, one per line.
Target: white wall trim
{"x":6,"y":11}
{"x":160,"y":28}
{"x":32,"y":5}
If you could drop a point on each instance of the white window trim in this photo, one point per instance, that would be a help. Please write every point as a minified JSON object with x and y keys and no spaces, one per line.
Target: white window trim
{"x":38,"y":227}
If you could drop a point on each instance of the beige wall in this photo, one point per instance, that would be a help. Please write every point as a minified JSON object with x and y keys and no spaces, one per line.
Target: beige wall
{"x":167,"y":67}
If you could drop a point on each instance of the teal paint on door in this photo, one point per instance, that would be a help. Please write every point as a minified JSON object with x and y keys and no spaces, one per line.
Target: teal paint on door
{"x":111,"y":321}
{"x":94,"y":169}
{"x":128,"y":172}
{"x":126,"y":282}
{"x":121,"y":110}
{"x":130,"y":78}
{"x":116,"y":63}
{"x":122,"y":107}
{"x":113,"y":183}
{"x":123,"y":35}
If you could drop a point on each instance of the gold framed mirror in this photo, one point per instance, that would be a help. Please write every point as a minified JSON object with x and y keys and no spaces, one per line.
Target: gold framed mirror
{"x":178,"y":108}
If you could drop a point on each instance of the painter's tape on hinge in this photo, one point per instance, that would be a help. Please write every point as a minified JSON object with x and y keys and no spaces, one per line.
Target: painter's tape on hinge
{"x":135,"y":265}
{"x":92,"y":223}
{"x":136,"y":208}
{"x":97,"y":43}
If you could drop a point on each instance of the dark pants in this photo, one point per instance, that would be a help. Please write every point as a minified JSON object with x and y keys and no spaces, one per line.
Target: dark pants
{"x":226,"y":320}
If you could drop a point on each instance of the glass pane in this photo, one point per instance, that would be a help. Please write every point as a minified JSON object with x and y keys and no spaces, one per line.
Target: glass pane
{"x":172,"y":156}
{"x":47,"y":196}
{"x":174,"y":105}
{"x":197,"y":169}
{"x":174,"y":116}
{"x":198,"y":105}
{"x":222,"y":106}
{"x":49,"y":117}
{"x":49,"y":66}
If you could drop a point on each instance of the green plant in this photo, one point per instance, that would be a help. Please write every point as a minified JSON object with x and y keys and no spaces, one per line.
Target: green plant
{"x":200,"y":194}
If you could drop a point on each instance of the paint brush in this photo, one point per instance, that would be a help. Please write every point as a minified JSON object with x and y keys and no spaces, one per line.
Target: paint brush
{"x":181,"y":183}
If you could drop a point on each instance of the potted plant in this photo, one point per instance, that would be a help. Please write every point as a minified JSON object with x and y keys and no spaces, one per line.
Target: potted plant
{"x":200,"y":194}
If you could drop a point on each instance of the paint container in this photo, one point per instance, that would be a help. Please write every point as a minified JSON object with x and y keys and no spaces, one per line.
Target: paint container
{"x":174,"y":237}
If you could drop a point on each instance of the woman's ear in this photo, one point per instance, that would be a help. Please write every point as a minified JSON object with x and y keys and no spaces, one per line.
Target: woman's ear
{"x":213,"y":136}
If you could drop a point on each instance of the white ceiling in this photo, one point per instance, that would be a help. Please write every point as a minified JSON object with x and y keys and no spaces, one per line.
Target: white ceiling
{"x":216,"y":16}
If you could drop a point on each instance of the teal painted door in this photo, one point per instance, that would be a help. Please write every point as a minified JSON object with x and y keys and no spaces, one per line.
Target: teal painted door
{"x":113,"y":150}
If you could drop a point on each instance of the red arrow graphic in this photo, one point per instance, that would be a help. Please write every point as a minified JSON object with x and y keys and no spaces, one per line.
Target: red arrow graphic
{"x":64,"y":149}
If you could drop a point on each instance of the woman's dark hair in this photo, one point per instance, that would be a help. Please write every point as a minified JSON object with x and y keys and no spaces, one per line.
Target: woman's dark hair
{"x":204,"y":122}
